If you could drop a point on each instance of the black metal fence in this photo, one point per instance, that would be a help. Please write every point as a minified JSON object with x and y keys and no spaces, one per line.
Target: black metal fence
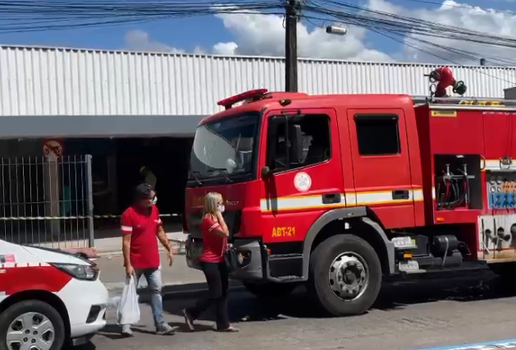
{"x":47,"y":202}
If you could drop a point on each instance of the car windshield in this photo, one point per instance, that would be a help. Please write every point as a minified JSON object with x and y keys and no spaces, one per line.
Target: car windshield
{"x":225,"y":148}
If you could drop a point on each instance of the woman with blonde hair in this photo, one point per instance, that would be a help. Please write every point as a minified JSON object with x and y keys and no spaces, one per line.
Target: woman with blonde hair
{"x":215,"y":234}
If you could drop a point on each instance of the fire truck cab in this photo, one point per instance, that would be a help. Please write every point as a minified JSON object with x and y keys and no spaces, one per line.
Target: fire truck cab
{"x":342,"y":192}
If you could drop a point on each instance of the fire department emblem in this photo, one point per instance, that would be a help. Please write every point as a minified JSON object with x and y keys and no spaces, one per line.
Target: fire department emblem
{"x":302,"y":182}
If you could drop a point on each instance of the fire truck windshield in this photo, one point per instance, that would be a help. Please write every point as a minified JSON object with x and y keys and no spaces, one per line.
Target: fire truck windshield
{"x":224,"y":150}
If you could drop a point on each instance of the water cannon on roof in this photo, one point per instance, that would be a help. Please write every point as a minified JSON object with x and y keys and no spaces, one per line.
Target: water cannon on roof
{"x":440,"y":79}
{"x":246,"y":97}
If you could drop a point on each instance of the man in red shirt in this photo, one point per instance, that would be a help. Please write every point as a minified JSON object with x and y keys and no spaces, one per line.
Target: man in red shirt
{"x":141,"y":229}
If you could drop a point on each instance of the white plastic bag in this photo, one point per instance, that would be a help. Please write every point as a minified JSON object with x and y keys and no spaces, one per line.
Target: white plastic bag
{"x":114,"y":302}
{"x":128,"y":311}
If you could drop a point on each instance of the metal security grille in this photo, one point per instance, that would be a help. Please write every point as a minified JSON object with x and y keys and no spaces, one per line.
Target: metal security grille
{"x":47,"y":202}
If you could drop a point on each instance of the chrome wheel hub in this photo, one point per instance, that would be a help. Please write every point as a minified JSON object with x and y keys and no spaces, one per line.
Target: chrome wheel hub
{"x":30,"y":331}
{"x":348,"y":276}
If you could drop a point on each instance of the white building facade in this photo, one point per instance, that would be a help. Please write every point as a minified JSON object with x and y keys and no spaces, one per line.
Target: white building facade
{"x":122,"y":87}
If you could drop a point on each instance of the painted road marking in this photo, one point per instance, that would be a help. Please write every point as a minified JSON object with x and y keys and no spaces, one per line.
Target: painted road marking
{"x":491,"y":345}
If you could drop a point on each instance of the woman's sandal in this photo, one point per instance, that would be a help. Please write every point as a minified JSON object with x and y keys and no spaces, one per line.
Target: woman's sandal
{"x":230,"y":329}
{"x":188,"y":321}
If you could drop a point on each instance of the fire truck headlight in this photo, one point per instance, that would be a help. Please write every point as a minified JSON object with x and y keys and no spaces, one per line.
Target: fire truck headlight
{"x":80,"y":272}
{"x":244,"y":258}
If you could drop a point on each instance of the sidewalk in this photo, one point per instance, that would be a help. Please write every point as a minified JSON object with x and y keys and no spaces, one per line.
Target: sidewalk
{"x":178,"y":280}
{"x":113,"y":245}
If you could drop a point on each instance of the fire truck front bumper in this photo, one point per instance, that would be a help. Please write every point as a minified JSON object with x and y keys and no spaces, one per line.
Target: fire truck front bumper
{"x":250,"y":254}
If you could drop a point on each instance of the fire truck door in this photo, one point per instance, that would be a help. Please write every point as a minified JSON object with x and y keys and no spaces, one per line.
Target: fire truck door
{"x":381,"y":165}
{"x":303,"y":159}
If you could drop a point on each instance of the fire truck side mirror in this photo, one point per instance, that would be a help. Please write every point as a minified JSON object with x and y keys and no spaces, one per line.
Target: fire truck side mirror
{"x":266,"y":171}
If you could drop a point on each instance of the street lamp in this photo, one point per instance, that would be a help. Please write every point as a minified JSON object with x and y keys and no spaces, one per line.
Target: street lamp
{"x":336,"y":30}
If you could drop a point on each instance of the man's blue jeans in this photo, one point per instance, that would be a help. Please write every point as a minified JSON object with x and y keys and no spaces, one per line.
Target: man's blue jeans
{"x":153,"y":277}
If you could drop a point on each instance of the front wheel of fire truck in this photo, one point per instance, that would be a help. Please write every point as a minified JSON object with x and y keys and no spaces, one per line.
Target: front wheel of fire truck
{"x":31,"y":324}
{"x":345,"y":275}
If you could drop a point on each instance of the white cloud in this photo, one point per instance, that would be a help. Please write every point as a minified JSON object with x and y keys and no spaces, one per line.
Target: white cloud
{"x":256,"y":34}
{"x":140,"y":40}
{"x":459,"y":15}
{"x":225,"y":48}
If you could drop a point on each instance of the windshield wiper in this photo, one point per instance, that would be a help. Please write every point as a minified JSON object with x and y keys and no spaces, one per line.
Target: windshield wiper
{"x":196,"y":178}
{"x":222,"y":172}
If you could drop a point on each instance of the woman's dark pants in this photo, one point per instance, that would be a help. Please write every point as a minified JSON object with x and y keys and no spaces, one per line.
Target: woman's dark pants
{"x":218,"y":282}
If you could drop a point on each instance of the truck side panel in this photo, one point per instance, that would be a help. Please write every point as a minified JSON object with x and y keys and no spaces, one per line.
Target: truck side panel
{"x":346,"y":156}
{"x":381,"y":165}
{"x":496,"y":229}
{"x":416,"y":170}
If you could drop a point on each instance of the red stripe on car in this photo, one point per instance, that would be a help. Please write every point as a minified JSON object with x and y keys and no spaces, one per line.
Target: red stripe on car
{"x":18,"y":279}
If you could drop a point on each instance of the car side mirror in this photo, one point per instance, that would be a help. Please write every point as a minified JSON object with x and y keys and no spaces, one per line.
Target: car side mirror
{"x":266,"y":171}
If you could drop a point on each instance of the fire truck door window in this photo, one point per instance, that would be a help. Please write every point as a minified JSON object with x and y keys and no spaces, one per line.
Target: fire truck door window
{"x":314,"y":141}
{"x":378,"y":135}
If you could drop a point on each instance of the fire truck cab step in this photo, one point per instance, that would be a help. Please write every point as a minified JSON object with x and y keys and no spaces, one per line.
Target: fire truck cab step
{"x":285,"y":267}
{"x":286,"y":279}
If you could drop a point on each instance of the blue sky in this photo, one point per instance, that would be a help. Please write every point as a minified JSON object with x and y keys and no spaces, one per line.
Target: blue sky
{"x":193,"y":32}
{"x":202,"y":31}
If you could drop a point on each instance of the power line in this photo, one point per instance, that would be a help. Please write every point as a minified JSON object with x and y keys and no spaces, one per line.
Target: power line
{"x":404,"y":25}
{"x":407,"y":26}
{"x":33,"y":15}
{"x":401,"y":37}
{"x":455,"y":5}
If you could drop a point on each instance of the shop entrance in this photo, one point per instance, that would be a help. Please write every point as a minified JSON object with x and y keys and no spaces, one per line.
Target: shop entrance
{"x":116,"y":165}
{"x":167,"y":158}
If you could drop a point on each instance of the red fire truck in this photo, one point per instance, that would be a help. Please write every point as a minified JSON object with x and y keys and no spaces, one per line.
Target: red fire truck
{"x":342,"y":192}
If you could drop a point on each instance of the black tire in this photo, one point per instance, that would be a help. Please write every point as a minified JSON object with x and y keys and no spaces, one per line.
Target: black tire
{"x":269,"y":290}
{"x":505,"y":273}
{"x":319,"y":281}
{"x":27,"y":306}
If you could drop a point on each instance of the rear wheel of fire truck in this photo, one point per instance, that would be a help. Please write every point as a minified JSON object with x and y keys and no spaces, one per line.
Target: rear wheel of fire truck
{"x":269,"y":290}
{"x":31,"y":324}
{"x":345,"y":275}
{"x":506,"y":273}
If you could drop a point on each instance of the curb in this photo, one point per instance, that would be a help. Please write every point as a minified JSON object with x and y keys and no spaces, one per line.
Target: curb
{"x":496,"y":344}
{"x":176,"y":290}
{"x":178,"y":248}
{"x":90,"y":253}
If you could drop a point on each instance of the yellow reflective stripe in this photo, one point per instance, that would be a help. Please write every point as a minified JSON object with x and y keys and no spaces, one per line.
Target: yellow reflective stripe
{"x":348,"y":199}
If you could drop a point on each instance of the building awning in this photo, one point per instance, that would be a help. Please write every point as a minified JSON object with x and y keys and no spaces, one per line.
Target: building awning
{"x":88,"y":126}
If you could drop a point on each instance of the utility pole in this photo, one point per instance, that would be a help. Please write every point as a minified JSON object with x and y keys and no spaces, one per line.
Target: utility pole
{"x":291,"y":19}
{"x":291,"y":46}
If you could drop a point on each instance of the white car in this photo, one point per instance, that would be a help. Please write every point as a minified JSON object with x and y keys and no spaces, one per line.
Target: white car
{"x":48,"y":298}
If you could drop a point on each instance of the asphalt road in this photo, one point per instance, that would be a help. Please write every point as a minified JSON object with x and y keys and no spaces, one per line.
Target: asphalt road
{"x":408,"y":317}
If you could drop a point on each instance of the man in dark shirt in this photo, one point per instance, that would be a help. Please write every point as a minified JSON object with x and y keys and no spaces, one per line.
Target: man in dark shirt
{"x":140,"y":226}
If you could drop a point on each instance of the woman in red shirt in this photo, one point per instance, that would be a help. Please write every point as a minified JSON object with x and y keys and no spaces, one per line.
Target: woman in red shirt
{"x":215,"y":238}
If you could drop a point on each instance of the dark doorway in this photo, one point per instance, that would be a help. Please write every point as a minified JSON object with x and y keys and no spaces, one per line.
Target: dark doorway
{"x":168,"y":160}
